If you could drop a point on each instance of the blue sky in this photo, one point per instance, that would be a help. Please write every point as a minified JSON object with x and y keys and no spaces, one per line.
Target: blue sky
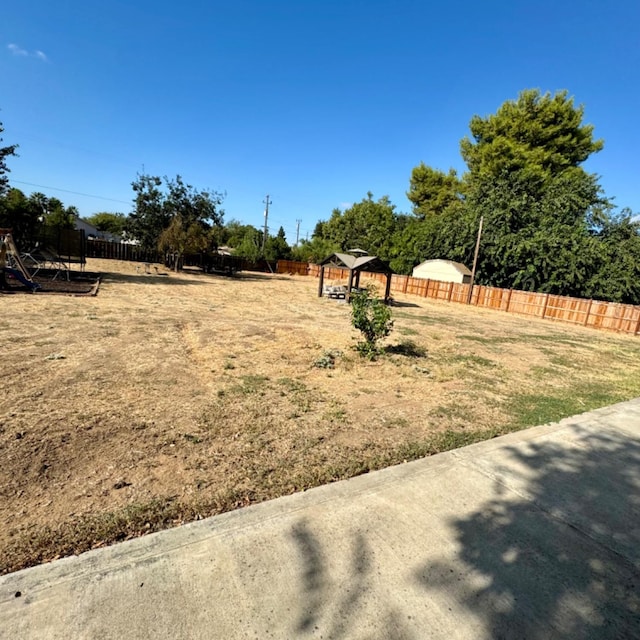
{"x":314,"y":103}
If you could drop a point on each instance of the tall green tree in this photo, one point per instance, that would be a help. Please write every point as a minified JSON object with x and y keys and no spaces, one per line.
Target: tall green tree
{"x":156,"y":205}
{"x":106,"y":222}
{"x":538,"y":203}
{"x":5,"y":152}
{"x":18,"y":213}
{"x":149,"y":217}
{"x":616,"y":270}
{"x":368,"y":225}
{"x":433,"y":192}
{"x":432,"y":229}
{"x":276,"y":247}
{"x":540,"y":133}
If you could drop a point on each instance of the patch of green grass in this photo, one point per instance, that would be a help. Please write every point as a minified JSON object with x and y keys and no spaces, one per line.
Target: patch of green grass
{"x":488,"y":340}
{"x":561,"y":360}
{"x":407,"y":331}
{"x":292,"y":385}
{"x":429,"y":320}
{"x":250,"y":384}
{"x":451,"y":411}
{"x":532,"y":409}
{"x":472,"y":360}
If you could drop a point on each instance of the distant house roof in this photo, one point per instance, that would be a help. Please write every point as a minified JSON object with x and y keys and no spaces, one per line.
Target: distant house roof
{"x":372,"y":264}
{"x":91,"y":230}
{"x":458,"y":266}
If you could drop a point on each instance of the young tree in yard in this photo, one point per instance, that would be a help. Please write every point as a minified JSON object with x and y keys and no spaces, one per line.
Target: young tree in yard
{"x":179,"y":238}
{"x":372,"y":318}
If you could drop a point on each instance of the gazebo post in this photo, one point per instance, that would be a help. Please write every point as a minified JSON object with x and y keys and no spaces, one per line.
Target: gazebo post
{"x":358,"y":279}
{"x":350,"y":285}
{"x":321,"y":283}
{"x":387,"y":290}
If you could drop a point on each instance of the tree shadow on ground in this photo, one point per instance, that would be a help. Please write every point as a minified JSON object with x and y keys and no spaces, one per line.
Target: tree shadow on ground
{"x":147,"y":279}
{"x":397,"y":303}
{"x":406,"y":348}
{"x":334,"y":604}
{"x":562,"y":562}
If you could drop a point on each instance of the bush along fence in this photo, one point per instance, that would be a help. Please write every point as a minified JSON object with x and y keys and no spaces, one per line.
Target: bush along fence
{"x":597,"y":314}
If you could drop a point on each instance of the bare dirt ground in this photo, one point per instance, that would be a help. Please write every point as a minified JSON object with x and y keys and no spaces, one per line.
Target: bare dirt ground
{"x":172,"y":397}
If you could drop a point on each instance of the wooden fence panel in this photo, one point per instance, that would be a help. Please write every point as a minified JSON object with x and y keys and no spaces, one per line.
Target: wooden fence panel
{"x":591,"y":313}
{"x":292,"y":266}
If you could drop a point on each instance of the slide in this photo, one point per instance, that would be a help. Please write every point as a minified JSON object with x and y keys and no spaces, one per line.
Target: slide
{"x":34,"y":286}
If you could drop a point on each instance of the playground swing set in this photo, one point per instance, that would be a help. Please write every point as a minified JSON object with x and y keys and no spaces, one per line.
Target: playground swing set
{"x":11,"y":263}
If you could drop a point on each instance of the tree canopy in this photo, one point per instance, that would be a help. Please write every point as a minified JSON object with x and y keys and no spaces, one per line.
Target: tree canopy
{"x":113,"y":223}
{"x":160,"y":204}
{"x":5,"y":152}
{"x":367,"y":225}
{"x":548,"y":226}
{"x":541,"y":133}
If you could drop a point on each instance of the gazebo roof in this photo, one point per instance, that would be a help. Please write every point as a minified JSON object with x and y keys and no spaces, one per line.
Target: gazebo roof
{"x":372,"y":264}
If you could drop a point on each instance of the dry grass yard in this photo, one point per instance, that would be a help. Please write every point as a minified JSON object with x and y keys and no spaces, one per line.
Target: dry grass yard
{"x":167,"y":399}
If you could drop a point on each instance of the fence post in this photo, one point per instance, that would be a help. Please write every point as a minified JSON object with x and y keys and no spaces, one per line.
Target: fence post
{"x":406,"y":282}
{"x":509,"y":300}
{"x":586,"y":319}
{"x":544,"y":307}
{"x":637,"y":323}
{"x":450,"y":292}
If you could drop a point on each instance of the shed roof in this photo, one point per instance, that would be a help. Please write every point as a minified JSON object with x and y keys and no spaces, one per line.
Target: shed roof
{"x":458,"y":266}
{"x":357,"y":263}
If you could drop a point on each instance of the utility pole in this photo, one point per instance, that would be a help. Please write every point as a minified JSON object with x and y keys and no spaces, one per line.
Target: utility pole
{"x":475,"y":260}
{"x":266,"y":218}
{"x":298,"y":231}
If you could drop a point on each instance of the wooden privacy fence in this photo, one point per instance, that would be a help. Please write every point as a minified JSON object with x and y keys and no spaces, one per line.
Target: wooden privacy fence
{"x":614,"y":316}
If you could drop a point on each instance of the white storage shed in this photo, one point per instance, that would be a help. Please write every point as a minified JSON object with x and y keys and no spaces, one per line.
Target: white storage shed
{"x":443,"y":270}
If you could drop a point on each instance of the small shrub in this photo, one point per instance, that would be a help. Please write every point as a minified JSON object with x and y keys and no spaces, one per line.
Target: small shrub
{"x":328,"y":359}
{"x":372,"y":318}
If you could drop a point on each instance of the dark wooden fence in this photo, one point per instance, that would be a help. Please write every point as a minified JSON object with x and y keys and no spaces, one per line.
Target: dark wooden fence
{"x":598,"y":314}
{"x":120,"y":251}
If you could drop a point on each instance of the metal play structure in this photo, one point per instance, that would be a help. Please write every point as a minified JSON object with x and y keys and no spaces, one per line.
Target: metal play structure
{"x":11,"y":261}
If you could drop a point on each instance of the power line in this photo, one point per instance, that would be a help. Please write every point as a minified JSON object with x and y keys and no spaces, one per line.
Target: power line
{"x":75,"y":193}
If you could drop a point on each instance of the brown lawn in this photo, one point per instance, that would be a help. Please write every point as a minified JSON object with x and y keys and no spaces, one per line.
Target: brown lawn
{"x":170,"y":398}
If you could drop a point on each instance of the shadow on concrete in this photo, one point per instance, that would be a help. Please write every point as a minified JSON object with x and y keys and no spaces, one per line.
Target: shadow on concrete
{"x":564,"y":563}
{"x":334,"y":606}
